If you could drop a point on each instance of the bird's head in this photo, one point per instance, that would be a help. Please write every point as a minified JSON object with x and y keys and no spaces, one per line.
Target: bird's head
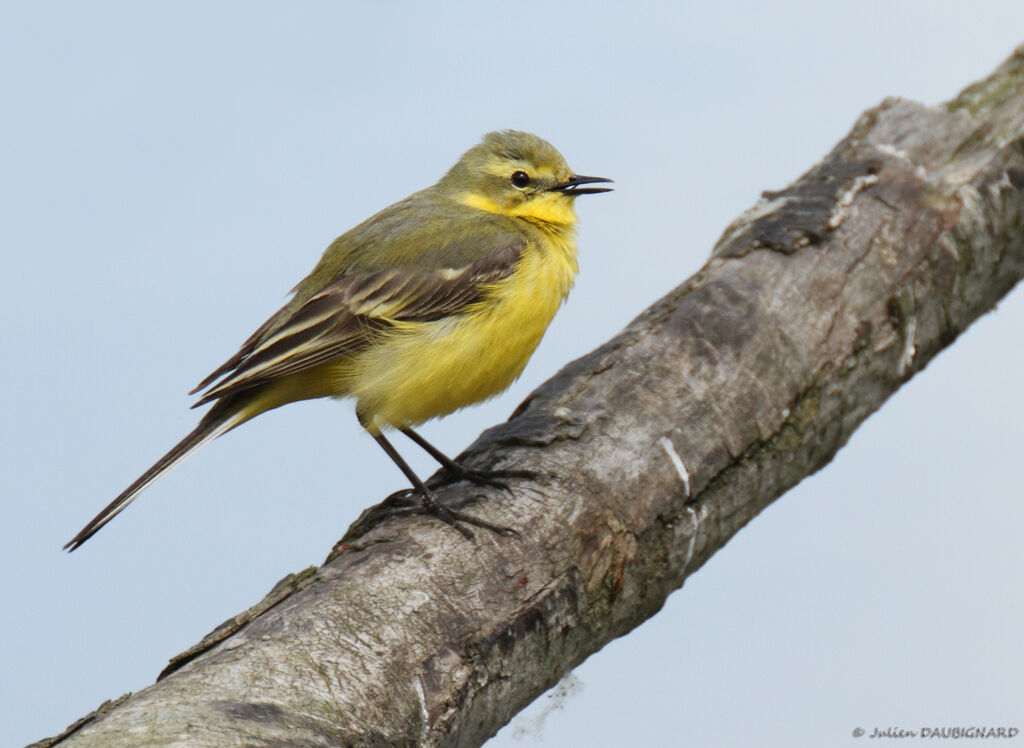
{"x":518,"y":174}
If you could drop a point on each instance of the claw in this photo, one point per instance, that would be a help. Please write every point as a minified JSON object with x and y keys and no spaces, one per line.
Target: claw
{"x":449,"y":516}
{"x":491,"y":478}
{"x":456,"y":519}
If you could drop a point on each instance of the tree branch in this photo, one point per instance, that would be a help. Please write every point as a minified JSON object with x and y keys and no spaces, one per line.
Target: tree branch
{"x":816,"y":305}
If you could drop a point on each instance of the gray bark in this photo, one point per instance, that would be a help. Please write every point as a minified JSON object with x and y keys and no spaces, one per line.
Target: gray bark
{"x":816,"y":305}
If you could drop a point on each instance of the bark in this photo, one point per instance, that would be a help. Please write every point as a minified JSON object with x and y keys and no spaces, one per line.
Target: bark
{"x":816,"y":305}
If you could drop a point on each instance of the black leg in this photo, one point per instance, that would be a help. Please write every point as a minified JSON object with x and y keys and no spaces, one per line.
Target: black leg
{"x":430,"y":502}
{"x":458,"y":472}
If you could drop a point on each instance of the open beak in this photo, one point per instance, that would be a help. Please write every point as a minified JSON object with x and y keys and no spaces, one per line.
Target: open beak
{"x":572,"y":187}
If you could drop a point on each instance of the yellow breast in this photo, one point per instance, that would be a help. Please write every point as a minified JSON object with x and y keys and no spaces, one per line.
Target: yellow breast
{"x":430,"y":369}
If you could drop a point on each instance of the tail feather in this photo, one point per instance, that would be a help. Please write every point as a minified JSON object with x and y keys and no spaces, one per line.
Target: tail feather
{"x":209,"y":428}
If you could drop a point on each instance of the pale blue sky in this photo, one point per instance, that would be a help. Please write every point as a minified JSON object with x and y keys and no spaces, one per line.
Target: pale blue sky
{"x":170,"y":171}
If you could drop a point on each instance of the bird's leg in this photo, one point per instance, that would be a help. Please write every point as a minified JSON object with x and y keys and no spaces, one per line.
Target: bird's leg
{"x":430,"y":501}
{"x":457,"y":472}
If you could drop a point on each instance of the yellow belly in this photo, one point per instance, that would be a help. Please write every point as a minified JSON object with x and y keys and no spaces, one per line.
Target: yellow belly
{"x":430,"y":369}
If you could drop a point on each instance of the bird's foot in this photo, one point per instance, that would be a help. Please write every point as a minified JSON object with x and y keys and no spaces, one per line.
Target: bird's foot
{"x":455,"y":472}
{"x":413,"y":501}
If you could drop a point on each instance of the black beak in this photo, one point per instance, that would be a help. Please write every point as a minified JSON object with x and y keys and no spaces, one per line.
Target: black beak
{"x":572,"y":187}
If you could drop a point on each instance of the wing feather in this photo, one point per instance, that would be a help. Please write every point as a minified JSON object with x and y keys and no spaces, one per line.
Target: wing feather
{"x":350,"y":311}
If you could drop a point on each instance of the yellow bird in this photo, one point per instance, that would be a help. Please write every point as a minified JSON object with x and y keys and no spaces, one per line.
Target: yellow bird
{"x":435,"y":303}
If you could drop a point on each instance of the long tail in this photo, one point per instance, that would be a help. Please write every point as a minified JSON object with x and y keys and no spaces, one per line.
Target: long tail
{"x":215,"y":423}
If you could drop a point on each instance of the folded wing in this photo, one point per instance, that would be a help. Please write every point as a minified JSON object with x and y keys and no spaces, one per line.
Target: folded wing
{"x":350,"y":311}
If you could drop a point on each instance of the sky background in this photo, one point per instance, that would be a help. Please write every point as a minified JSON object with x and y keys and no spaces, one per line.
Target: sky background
{"x":168,"y":171}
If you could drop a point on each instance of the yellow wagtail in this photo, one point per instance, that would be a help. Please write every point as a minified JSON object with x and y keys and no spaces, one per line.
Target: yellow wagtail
{"x":435,"y":303}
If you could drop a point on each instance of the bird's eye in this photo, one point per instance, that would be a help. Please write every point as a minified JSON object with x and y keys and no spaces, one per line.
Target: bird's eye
{"x":520,"y":180}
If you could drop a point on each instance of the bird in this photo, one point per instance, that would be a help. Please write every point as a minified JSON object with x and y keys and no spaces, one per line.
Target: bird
{"x":434,"y":303}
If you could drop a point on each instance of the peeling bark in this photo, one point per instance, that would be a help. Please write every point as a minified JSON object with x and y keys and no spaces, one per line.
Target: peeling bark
{"x":655,"y":449}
